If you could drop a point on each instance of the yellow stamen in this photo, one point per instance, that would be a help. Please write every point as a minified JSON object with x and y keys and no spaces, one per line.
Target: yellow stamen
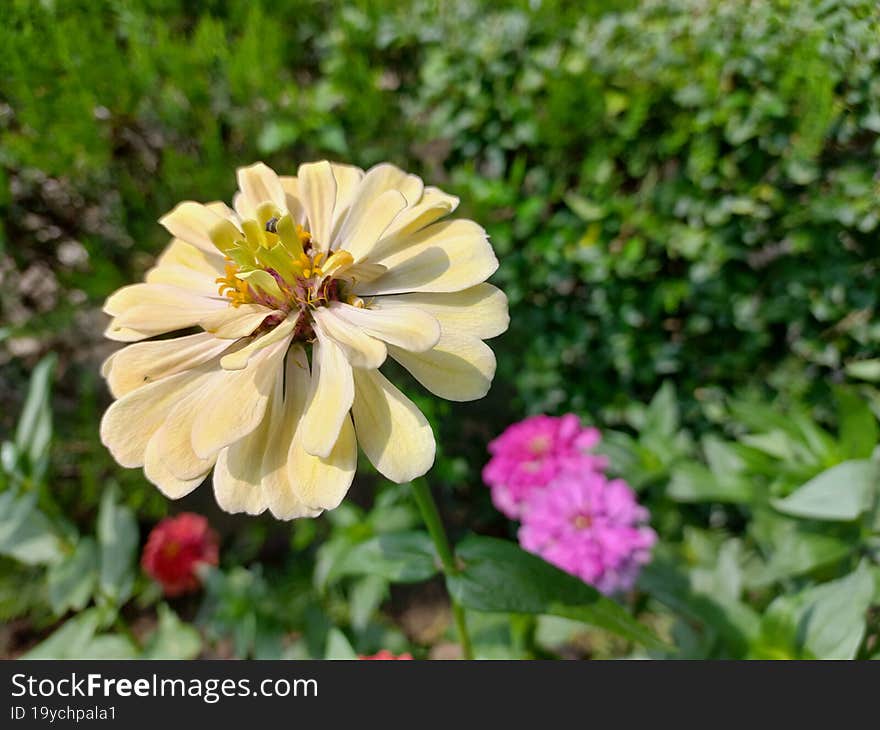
{"x":233,"y":288}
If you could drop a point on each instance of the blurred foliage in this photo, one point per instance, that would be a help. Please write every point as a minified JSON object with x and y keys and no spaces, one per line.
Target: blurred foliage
{"x":682,"y":193}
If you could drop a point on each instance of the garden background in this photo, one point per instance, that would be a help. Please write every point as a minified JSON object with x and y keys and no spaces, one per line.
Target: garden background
{"x":683,"y":197}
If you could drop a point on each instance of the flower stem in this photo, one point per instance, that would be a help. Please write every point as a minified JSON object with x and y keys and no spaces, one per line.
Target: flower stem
{"x":431,"y":516}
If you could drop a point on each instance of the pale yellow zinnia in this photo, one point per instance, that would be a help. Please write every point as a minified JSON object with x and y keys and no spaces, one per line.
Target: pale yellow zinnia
{"x":293,"y":301}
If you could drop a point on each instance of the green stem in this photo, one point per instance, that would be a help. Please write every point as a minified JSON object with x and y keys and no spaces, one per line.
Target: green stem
{"x":431,"y":516}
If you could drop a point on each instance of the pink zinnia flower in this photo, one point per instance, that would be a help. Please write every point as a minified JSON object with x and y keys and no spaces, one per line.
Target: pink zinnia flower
{"x":175,"y":547}
{"x":592,"y":528}
{"x":385,"y":655}
{"x":532,"y":453}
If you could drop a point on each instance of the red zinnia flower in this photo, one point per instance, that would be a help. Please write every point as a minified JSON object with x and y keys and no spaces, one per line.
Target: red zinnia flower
{"x":175,"y":547}
{"x":385,"y":654}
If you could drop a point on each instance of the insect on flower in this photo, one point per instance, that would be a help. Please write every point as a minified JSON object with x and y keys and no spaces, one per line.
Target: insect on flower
{"x":297,"y":296}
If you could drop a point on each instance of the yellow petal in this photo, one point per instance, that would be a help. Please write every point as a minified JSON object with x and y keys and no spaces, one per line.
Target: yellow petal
{"x":348,"y":178}
{"x":130,"y":422}
{"x":458,"y":368}
{"x":406,"y":327}
{"x":433,"y":205}
{"x":173,"y":440}
{"x":231,"y":323}
{"x":444,"y":257}
{"x":480,"y":311}
{"x":358,"y":236}
{"x":376,"y":181}
{"x":180,"y":253}
{"x":183,"y":278}
{"x":135,"y":295}
{"x":331,"y":391}
{"x":146,"y":362}
{"x":199,"y":225}
{"x":321,"y":482}
{"x":392,"y":432}
{"x":279,"y":483}
{"x":360,"y":349}
{"x":294,"y":200}
{"x":240,"y":358}
{"x":259,"y":184}
{"x":238,"y":399}
{"x":317,"y":188}
{"x":157,"y":472}
{"x":117,"y":332}
{"x":153,"y":309}
{"x":237,"y":476}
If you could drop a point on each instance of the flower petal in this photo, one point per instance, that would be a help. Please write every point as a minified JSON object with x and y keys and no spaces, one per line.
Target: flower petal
{"x":234,"y":322}
{"x":153,"y":309}
{"x":480,"y":311}
{"x":393,"y":433}
{"x":137,"y":365}
{"x":331,"y":392}
{"x":361,"y":350}
{"x":458,"y":368}
{"x":406,"y":327}
{"x":312,"y":483}
{"x":444,"y":257}
{"x":180,"y":253}
{"x":158,"y":473}
{"x":130,"y":422}
{"x":360,"y":237}
{"x":433,"y":205}
{"x":199,"y":225}
{"x":348,"y":178}
{"x":294,"y":199}
{"x":237,"y":476}
{"x":375,"y":182}
{"x":259,"y":184}
{"x":321,"y":482}
{"x":317,"y":188}
{"x":239,"y":359}
{"x":237,"y":401}
{"x":183,"y":278}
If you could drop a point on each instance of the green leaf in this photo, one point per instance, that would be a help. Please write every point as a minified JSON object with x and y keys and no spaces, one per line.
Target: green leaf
{"x":365,"y":598}
{"x":499,"y":576}
{"x":864,"y":370}
{"x":841,"y":493}
{"x":109,"y":646}
{"x":732,"y":620}
{"x":173,"y":639}
{"x":692,"y":482}
{"x":34,"y":432}
{"x":834,"y":617}
{"x":118,"y":541}
{"x":827,"y":621}
{"x":401,"y":557}
{"x":796,"y":546}
{"x":662,"y":414}
{"x":338,"y":646}
{"x":859,"y":433}
{"x":70,"y":641}
{"x":72,"y":581}
{"x":26,"y":533}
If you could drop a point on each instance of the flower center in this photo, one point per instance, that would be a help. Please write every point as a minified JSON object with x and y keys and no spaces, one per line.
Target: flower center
{"x":274,"y":262}
{"x":539,"y":445}
{"x":582,"y":522}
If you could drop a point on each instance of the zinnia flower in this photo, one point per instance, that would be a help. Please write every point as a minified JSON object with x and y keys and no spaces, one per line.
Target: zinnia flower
{"x":321,"y":277}
{"x":590,"y":527}
{"x":385,"y":655}
{"x":530,"y":454}
{"x":175,"y":547}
